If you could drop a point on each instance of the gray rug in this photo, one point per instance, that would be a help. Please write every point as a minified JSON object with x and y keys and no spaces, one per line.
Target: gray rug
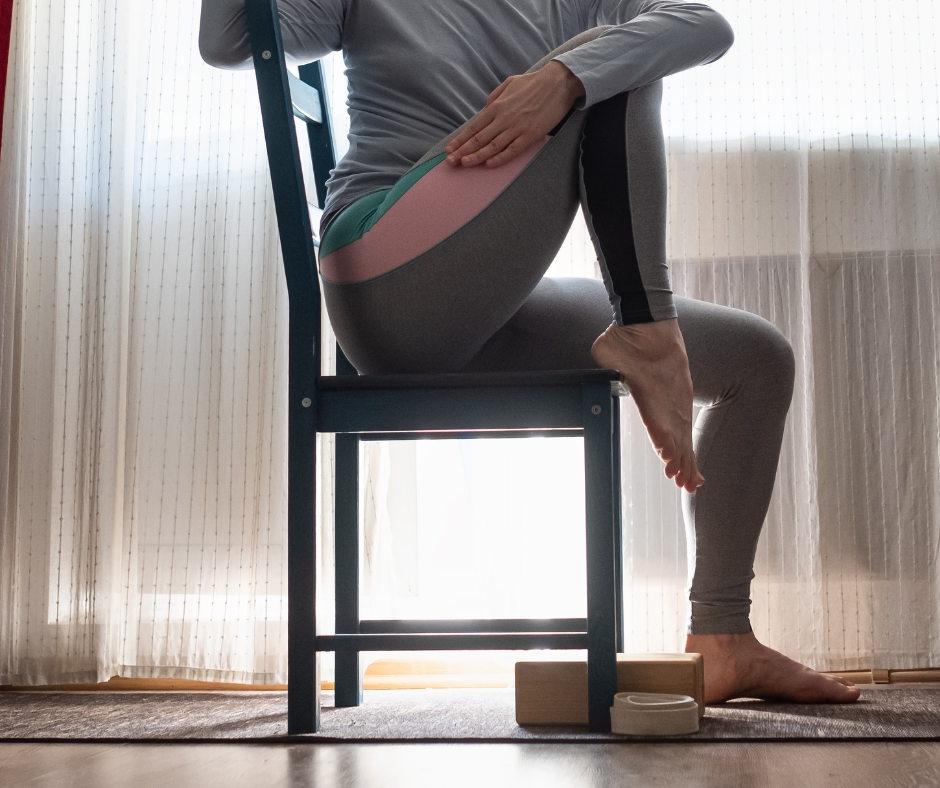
{"x":432,"y":715}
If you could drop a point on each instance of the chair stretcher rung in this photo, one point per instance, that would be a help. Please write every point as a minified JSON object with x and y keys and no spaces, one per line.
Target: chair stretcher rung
{"x":478,"y":625}
{"x":469,"y":435}
{"x":495,"y":641}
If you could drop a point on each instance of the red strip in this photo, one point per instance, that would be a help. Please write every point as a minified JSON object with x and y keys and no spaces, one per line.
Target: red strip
{"x":6,"y":25}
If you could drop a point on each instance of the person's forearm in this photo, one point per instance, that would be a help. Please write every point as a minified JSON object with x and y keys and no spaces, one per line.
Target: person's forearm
{"x":667,"y":37}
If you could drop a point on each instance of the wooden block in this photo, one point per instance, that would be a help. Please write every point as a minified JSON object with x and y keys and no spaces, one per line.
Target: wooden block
{"x":555,"y":693}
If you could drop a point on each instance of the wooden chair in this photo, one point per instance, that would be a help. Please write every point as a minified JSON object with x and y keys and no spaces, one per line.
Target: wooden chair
{"x":365,"y":407}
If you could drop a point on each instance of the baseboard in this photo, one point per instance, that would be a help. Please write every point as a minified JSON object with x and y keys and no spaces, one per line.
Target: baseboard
{"x":120,"y":684}
{"x":439,"y":674}
{"x":888,"y":676}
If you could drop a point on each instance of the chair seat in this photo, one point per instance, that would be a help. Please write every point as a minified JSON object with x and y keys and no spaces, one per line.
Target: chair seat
{"x":470,"y":380}
{"x":460,"y":401}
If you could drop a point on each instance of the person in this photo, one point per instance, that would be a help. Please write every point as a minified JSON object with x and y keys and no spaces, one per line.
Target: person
{"x":476,"y":128}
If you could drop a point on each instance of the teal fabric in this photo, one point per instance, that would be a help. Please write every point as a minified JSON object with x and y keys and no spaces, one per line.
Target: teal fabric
{"x":352,"y":223}
{"x":360,"y":217}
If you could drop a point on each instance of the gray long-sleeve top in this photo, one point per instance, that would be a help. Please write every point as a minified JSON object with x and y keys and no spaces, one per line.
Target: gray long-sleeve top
{"x":417,"y":69}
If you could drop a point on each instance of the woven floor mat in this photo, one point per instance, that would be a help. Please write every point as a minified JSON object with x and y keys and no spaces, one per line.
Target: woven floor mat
{"x":433,"y":715}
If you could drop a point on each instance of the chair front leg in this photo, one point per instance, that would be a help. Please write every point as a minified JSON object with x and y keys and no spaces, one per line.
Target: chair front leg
{"x":600,"y":524}
{"x":348,"y":676}
{"x":618,"y":522}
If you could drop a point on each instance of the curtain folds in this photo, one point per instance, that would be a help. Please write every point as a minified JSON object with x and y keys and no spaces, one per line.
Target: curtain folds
{"x":143,"y":360}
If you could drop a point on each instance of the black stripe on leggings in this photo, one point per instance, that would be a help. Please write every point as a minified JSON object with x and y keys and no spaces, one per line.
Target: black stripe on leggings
{"x":607,"y":193}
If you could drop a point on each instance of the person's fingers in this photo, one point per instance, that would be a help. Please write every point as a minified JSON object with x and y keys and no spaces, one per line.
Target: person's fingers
{"x":672,"y":467}
{"x":471,"y":128}
{"x":489,"y":151}
{"x":479,"y":132}
{"x":683,"y":470}
{"x":507,"y":154}
{"x":689,"y":478}
{"x":693,"y":480}
{"x":479,"y":142}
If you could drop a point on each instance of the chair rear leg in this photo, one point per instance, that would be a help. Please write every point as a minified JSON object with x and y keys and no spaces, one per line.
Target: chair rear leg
{"x":348,"y":675}
{"x":601,"y":551}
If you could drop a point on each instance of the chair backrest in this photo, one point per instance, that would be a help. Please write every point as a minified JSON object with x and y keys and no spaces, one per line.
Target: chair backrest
{"x":283,"y":97}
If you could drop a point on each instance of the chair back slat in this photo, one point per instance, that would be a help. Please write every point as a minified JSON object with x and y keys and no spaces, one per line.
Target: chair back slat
{"x":320,"y":135}
{"x":305,"y":100}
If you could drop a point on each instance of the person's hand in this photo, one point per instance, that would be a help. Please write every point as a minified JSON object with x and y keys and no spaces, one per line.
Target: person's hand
{"x":519,"y":113}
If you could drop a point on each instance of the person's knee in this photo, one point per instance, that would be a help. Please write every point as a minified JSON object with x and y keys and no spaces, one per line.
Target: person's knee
{"x":769,"y":357}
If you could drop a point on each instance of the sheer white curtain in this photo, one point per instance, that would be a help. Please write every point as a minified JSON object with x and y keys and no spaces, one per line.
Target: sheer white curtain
{"x":143,"y":357}
{"x":804,"y":183}
{"x":142,"y":362}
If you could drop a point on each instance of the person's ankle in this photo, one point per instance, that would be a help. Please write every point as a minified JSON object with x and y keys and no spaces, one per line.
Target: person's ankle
{"x":717,"y":642}
{"x":659,"y":335}
{"x":658,"y":339}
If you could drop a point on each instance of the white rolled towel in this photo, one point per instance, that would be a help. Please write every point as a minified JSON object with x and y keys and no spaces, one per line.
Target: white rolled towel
{"x":653,"y":714}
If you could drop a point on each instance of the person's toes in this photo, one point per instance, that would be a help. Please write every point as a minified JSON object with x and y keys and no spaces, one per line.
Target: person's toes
{"x":849,"y":694}
{"x":671,"y":469}
{"x":687,"y":475}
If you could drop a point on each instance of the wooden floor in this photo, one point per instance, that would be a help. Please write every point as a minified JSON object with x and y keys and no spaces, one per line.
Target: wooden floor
{"x":799,"y":765}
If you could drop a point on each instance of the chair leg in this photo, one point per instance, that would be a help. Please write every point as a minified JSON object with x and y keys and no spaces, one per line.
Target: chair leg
{"x":348,"y":676}
{"x":303,"y":661}
{"x":601,"y":550}
{"x":618,"y":523}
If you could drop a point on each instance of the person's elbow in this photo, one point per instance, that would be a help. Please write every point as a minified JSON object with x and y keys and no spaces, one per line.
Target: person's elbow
{"x":720,"y":34}
{"x":221,"y":54}
{"x":708,"y":34}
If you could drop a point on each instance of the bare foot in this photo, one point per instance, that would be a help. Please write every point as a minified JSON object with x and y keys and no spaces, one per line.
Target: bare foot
{"x":738,"y":666}
{"x":652,"y":359}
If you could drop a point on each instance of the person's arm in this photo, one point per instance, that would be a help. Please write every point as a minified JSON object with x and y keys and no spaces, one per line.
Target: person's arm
{"x":649,"y":40}
{"x":311,"y":29}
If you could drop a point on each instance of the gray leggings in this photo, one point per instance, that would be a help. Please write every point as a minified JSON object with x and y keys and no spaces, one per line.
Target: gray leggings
{"x":477,"y":300}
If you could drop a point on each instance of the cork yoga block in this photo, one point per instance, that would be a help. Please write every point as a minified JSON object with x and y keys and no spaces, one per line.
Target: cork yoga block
{"x":555,"y":693}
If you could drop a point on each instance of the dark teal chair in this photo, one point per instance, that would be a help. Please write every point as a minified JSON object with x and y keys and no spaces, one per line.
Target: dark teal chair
{"x":407,"y":407}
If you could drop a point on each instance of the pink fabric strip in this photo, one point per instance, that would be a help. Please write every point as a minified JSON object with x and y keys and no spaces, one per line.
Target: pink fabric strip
{"x":434,"y":208}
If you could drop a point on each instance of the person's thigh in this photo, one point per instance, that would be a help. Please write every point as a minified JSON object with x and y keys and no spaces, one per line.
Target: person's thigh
{"x":553,"y":329}
{"x":559,"y":321}
{"x":452,"y":259}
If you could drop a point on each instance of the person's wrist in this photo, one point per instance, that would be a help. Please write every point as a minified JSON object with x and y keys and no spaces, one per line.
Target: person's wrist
{"x":567,"y":81}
